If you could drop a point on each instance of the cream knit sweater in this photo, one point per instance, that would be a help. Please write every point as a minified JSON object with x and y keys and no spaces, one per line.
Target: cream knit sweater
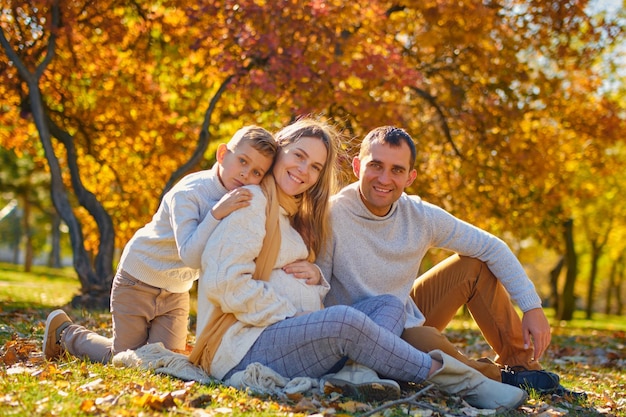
{"x":166,"y":252}
{"x":226,"y":280}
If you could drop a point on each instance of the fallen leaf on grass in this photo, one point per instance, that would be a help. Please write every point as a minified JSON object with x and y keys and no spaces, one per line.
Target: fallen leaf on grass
{"x":416,"y":411}
{"x":223,"y":410}
{"x":87,"y":406}
{"x":108,"y":399}
{"x":93,"y":385}
{"x":305,"y":404}
{"x":155,"y":402}
{"x":608,"y":401}
{"x":9,"y":399}
{"x":201,"y":401}
{"x":354,"y":406}
{"x":180,"y":394}
{"x":295,"y":396}
{"x":62,"y":393}
{"x":473,"y":412}
{"x":18,"y":350}
{"x":17,"y":370}
{"x":45,"y":372}
{"x":10,"y":356}
{"x":553,"y":412}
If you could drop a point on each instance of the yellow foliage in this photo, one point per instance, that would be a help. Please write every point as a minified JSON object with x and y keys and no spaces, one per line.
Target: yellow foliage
{"x":502,"y":107}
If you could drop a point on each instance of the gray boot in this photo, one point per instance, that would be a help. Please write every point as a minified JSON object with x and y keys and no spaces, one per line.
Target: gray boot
{"x":361,"y":383}
{"x":475,"y":388}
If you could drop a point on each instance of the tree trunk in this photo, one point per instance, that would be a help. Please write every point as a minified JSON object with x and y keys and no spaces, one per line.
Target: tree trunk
{"x":95,"y":284}
{"x":619,"y":285}
{"x":54,"y":257}
{"x":103,"y":260}
{"x":16,"y":247}
{"x":554,"y":283}
{"x":28,"y":234}
{"x":568,"y":305}
{"x":610,"y":288}
{"x":596,"y":251}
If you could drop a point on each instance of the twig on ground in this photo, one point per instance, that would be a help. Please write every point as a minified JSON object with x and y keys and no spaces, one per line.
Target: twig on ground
{"x":394,"y":403}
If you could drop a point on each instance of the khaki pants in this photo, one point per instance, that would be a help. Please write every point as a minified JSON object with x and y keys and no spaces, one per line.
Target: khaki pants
{"x":141,"y":313}
{"x":458,"y":281}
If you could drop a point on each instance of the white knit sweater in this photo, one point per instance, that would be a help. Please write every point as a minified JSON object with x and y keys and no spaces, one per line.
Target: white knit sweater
{"x":166,"y":252}
{"x":371,"y":255}
{"x":226,"y":280}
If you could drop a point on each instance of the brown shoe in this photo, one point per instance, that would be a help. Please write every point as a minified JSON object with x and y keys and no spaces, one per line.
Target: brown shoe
{"x":57,"y":322}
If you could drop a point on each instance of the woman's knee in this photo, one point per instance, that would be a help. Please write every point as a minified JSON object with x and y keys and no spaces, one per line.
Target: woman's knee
{"x":349,"y":324}
{"x":342,"y":319}
{"x":382,"y":299}
{"x":387,"y":305}
{"x":378,"y":302}
{"x":390,"y":301}
{"x":343,"y":313}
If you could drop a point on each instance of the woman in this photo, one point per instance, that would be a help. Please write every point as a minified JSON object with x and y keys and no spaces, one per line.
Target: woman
{"x":251,"y":308}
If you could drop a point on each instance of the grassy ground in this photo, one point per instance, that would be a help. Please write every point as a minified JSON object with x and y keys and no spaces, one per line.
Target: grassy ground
{"x":588,"y":355}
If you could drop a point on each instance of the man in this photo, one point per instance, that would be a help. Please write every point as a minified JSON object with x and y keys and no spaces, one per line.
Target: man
{"x":380,"y":236}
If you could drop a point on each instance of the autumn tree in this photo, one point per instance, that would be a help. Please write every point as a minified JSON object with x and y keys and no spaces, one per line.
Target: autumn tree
{"x":128,"y":97}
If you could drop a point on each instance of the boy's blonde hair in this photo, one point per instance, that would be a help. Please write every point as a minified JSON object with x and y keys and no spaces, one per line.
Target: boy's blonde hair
{"x":259,"y":138}
{"x":311,"y":221}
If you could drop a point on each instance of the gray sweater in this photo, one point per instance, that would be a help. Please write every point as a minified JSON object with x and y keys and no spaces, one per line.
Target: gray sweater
{"x":370,"y":255}
{"x":166,"y":253}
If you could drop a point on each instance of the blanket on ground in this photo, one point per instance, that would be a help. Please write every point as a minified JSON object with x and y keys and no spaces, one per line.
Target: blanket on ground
{"x":256,"y":377}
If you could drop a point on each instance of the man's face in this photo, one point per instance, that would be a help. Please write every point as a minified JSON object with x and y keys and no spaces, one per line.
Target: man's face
{"x":242,"y":166}
{"x":383,"y":175}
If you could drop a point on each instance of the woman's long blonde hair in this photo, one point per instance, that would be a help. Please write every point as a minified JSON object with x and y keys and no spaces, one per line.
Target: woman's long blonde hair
{"x":311,"y":220}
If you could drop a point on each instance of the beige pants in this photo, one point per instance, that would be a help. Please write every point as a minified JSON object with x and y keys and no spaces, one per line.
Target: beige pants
{"x":141,"y":313}
{"x":458,"y":281}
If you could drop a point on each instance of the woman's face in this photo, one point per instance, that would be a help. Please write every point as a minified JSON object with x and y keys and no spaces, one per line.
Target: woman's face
{"x":299,"y":165}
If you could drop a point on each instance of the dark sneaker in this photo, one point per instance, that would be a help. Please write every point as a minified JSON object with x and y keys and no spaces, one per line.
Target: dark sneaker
{"x":55,"y":324}
{"x":542,"y":382}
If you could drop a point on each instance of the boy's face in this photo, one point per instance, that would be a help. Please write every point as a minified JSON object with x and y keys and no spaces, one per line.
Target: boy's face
{"x":242,"y":166}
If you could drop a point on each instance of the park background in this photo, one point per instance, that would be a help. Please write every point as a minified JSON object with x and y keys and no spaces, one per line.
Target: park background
{"x":517,"y":108}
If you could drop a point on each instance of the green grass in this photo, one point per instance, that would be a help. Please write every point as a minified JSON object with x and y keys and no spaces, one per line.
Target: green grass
{"x":588,"y":355}
{"x":599,"y":322}
{"x":42,"y":287}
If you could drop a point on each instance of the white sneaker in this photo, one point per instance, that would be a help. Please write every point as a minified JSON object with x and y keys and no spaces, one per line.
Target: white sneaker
{"x":362,"y":383}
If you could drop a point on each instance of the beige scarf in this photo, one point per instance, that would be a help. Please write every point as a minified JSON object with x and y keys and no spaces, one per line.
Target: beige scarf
{"x":219,"y":322}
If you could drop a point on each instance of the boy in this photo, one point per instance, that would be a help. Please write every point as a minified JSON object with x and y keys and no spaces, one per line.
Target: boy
{"x":150,"y":291}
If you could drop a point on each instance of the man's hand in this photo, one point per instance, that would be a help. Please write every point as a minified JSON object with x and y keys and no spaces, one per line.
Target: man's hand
{"x":535,"y":327}
{"x":304,"y":270}
{"x":233,"y":200}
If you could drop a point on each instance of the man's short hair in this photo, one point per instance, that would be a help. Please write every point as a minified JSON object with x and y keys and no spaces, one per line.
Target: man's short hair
{"x":392,"y":136}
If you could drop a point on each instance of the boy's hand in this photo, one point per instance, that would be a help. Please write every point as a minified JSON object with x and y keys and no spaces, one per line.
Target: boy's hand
{"x":304,"y":270}
{"x":233,"y":200}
